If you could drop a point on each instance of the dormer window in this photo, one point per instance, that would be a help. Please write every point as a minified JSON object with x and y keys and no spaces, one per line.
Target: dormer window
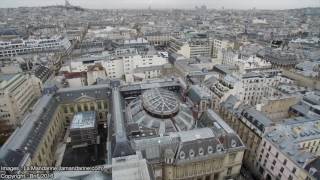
{"x":191,"y":153}
{"x":182,"y":155}
{"x":233,"y":143}
{"x":210,"y":149}
{"x":201,"y":151}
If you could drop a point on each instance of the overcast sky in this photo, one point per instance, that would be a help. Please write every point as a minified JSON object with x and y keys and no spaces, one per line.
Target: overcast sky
{"x":217,"y":4}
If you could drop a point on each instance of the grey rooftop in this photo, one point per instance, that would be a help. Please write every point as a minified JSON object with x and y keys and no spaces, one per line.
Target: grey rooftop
{"x":287,"y":137}
{"x":257,"y":118}
{"x":196,"y":94}
{"x":121,"y":144}
{"x":25,"y":139}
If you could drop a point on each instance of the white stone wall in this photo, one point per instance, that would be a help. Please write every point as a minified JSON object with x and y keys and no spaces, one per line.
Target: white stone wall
{"x":272,"y":160}
{"x":16,"y":97}
{"x":29,"y":46}
{"x":123,"y":65}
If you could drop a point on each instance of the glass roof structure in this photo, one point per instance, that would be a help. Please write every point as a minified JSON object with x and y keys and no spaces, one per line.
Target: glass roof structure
{"x":160,"y":102}
{"x":160,"y":110}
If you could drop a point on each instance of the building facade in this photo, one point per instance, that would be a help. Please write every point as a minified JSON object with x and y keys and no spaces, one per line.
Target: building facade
{"x":11,"y":49}
{"x":285,"y":152}
{"x":189,"y":48}
{"x":120,"y":65}
{"x":249,"y":124}
{"x":17,"y":95}
{"x":158,"y":39}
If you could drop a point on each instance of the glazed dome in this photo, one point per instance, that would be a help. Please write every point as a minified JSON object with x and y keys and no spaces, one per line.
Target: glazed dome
{"x":160,"y":103}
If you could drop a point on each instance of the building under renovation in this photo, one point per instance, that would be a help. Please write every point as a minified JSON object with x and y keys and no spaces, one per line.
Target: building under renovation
{"x":83,"y":129}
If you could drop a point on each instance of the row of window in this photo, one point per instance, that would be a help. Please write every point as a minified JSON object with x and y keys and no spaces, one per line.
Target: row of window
{"x":200,"y":151}
{"x":253,"y":88}
{"x":48,"y":144}
{"x":85,"y":107}
{"x":252,"y":98}
{"x":284,"y":163}
{"x":199,"y":169}
{"x":6,"y":115}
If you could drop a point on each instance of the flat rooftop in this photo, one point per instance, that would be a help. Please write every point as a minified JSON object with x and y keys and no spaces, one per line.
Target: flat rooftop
{"x":293,"y":132}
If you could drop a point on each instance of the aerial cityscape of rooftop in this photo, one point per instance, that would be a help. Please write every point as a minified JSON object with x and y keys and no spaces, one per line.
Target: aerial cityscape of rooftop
{"x":160,"y":90}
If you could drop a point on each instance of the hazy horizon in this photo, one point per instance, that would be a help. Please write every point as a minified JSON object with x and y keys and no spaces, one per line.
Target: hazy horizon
{"x":167,"y":4}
